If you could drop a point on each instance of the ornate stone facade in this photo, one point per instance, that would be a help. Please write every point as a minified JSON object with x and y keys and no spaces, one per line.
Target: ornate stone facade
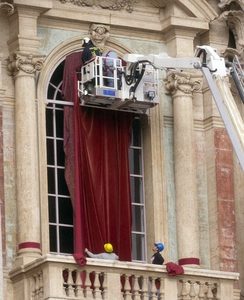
{"x":28,"y":63}
{"x":193,"y":182}
{"x":112,"y":4}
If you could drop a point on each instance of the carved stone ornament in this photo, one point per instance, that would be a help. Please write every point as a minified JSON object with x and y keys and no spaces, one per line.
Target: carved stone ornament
{"x":185,"y":82}
{"x":224,"y":3}
{"x":7,"y":6}
{"x":28,"y":63}
{"x":105,"y":4}
{"x":99,"y":34}
{"x":229,"y":54}
{"x":235,"y":21}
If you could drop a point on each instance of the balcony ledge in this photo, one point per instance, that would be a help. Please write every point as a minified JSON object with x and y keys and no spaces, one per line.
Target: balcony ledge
{"x":54,"y":277}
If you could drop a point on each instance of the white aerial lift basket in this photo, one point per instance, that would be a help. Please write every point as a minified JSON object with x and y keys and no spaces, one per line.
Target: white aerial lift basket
{"x":104,"y":83}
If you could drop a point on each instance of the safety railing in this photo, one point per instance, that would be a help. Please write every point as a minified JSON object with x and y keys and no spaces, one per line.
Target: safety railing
{"x":59,"y":277}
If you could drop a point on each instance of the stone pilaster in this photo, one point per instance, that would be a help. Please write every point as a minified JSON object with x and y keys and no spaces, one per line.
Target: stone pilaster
{"x":181,"y":86}
{"x":2,"y":202}
{"x":23,"y":68}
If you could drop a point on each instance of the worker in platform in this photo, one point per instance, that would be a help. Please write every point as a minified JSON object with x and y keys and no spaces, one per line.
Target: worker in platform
{"x":99,"y":34}
{"x":111,"y":66}
{"x":90,"y":51}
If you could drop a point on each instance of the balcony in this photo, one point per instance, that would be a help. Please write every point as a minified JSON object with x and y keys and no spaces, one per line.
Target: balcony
{"x":56,"y":277}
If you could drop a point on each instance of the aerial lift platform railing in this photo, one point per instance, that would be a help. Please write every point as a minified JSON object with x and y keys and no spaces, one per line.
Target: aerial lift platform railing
{"x":105,"y":84}
{"x":229,"y":112}
{"x":138,"y":86}
{"x":238,"y":75}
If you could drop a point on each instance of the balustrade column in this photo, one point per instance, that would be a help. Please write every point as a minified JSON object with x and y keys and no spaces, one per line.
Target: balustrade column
{"x":181,"y":86}
{"x":23,"y":67}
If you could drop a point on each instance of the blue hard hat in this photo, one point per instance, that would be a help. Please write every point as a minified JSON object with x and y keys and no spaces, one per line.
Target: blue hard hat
{"x":160,"y":246}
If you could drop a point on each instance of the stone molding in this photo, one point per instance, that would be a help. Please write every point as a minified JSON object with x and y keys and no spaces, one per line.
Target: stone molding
{"x":157,"y":18}
{"x":187,"y":83}
{"x":111,"y":4}
{"x":28,"y":63}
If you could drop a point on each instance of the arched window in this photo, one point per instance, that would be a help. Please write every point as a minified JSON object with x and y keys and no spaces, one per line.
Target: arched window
{"x":59,"y":203}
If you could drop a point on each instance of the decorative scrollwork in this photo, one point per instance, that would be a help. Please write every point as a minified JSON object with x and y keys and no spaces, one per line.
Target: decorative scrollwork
{"x":235,"y":21}
{"x":105,"y":4}
{"x":184,"y":82}
{"x":28,"y":63}
{"x":7,"y":6}
{"x":225,"y":3}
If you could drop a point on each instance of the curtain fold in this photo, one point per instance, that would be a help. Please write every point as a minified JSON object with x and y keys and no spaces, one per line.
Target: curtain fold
{"x":100,"y":162}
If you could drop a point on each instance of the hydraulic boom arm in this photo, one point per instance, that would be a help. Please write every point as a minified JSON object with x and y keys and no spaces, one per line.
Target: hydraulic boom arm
{"x":214,"y":71}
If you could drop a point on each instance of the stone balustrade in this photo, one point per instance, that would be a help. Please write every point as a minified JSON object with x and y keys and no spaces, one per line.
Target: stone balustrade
{"x":56,"y":277}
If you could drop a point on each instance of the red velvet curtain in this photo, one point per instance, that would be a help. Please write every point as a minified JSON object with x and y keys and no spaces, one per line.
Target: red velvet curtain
{"x":102,"y":205}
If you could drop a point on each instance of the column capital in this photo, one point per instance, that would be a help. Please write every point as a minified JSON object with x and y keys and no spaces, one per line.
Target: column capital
{"x":27,"y":63}
{"x":182,"y":83}
{"x":7,"y":6}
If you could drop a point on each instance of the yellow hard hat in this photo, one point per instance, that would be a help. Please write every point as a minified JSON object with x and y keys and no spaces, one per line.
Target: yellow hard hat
{"x":108,"y":247}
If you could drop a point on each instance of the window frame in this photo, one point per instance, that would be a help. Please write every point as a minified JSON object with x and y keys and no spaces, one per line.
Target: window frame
{"x":55,"y":104}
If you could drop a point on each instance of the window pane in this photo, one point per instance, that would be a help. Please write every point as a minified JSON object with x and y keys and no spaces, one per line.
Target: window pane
{"x":52,"y":209}
{"x":59,"y":123}
{"x":53,"y":238}
{"x":138,"y":246}
{"x":62,"y":186}
{"x":136,"y":133}
{"x":59,"y":95}
{"x":49,"y":122}
{"x":66,"y":239}
{"x":50,"y":151}
{"x":135,"y":161}
{"x":58,"y":74}
{"x":60,"y":151}
{"x":137,"y":218}
{"x":51,"y":180}
{"x":51,"y":91}
{"x":65,"y":211}
{"x":136,"y":189}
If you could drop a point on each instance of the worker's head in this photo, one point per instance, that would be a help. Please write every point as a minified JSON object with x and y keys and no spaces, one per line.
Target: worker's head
{"x":108,"y":247}
{"x":85,"y":41}
{"x":160,"y":246}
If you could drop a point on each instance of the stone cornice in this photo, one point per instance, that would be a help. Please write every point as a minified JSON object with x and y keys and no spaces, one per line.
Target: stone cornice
{"x":152,"y":20}
{"x":213,"y":122}
{"x":200,"y":8}
{"x":184,"y":82}
{"x":189,"y":23}
{"x":27,"y":63}
{"x":199,"y":125}
{"x":8,"y":102}
{"x":40,"y":6}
